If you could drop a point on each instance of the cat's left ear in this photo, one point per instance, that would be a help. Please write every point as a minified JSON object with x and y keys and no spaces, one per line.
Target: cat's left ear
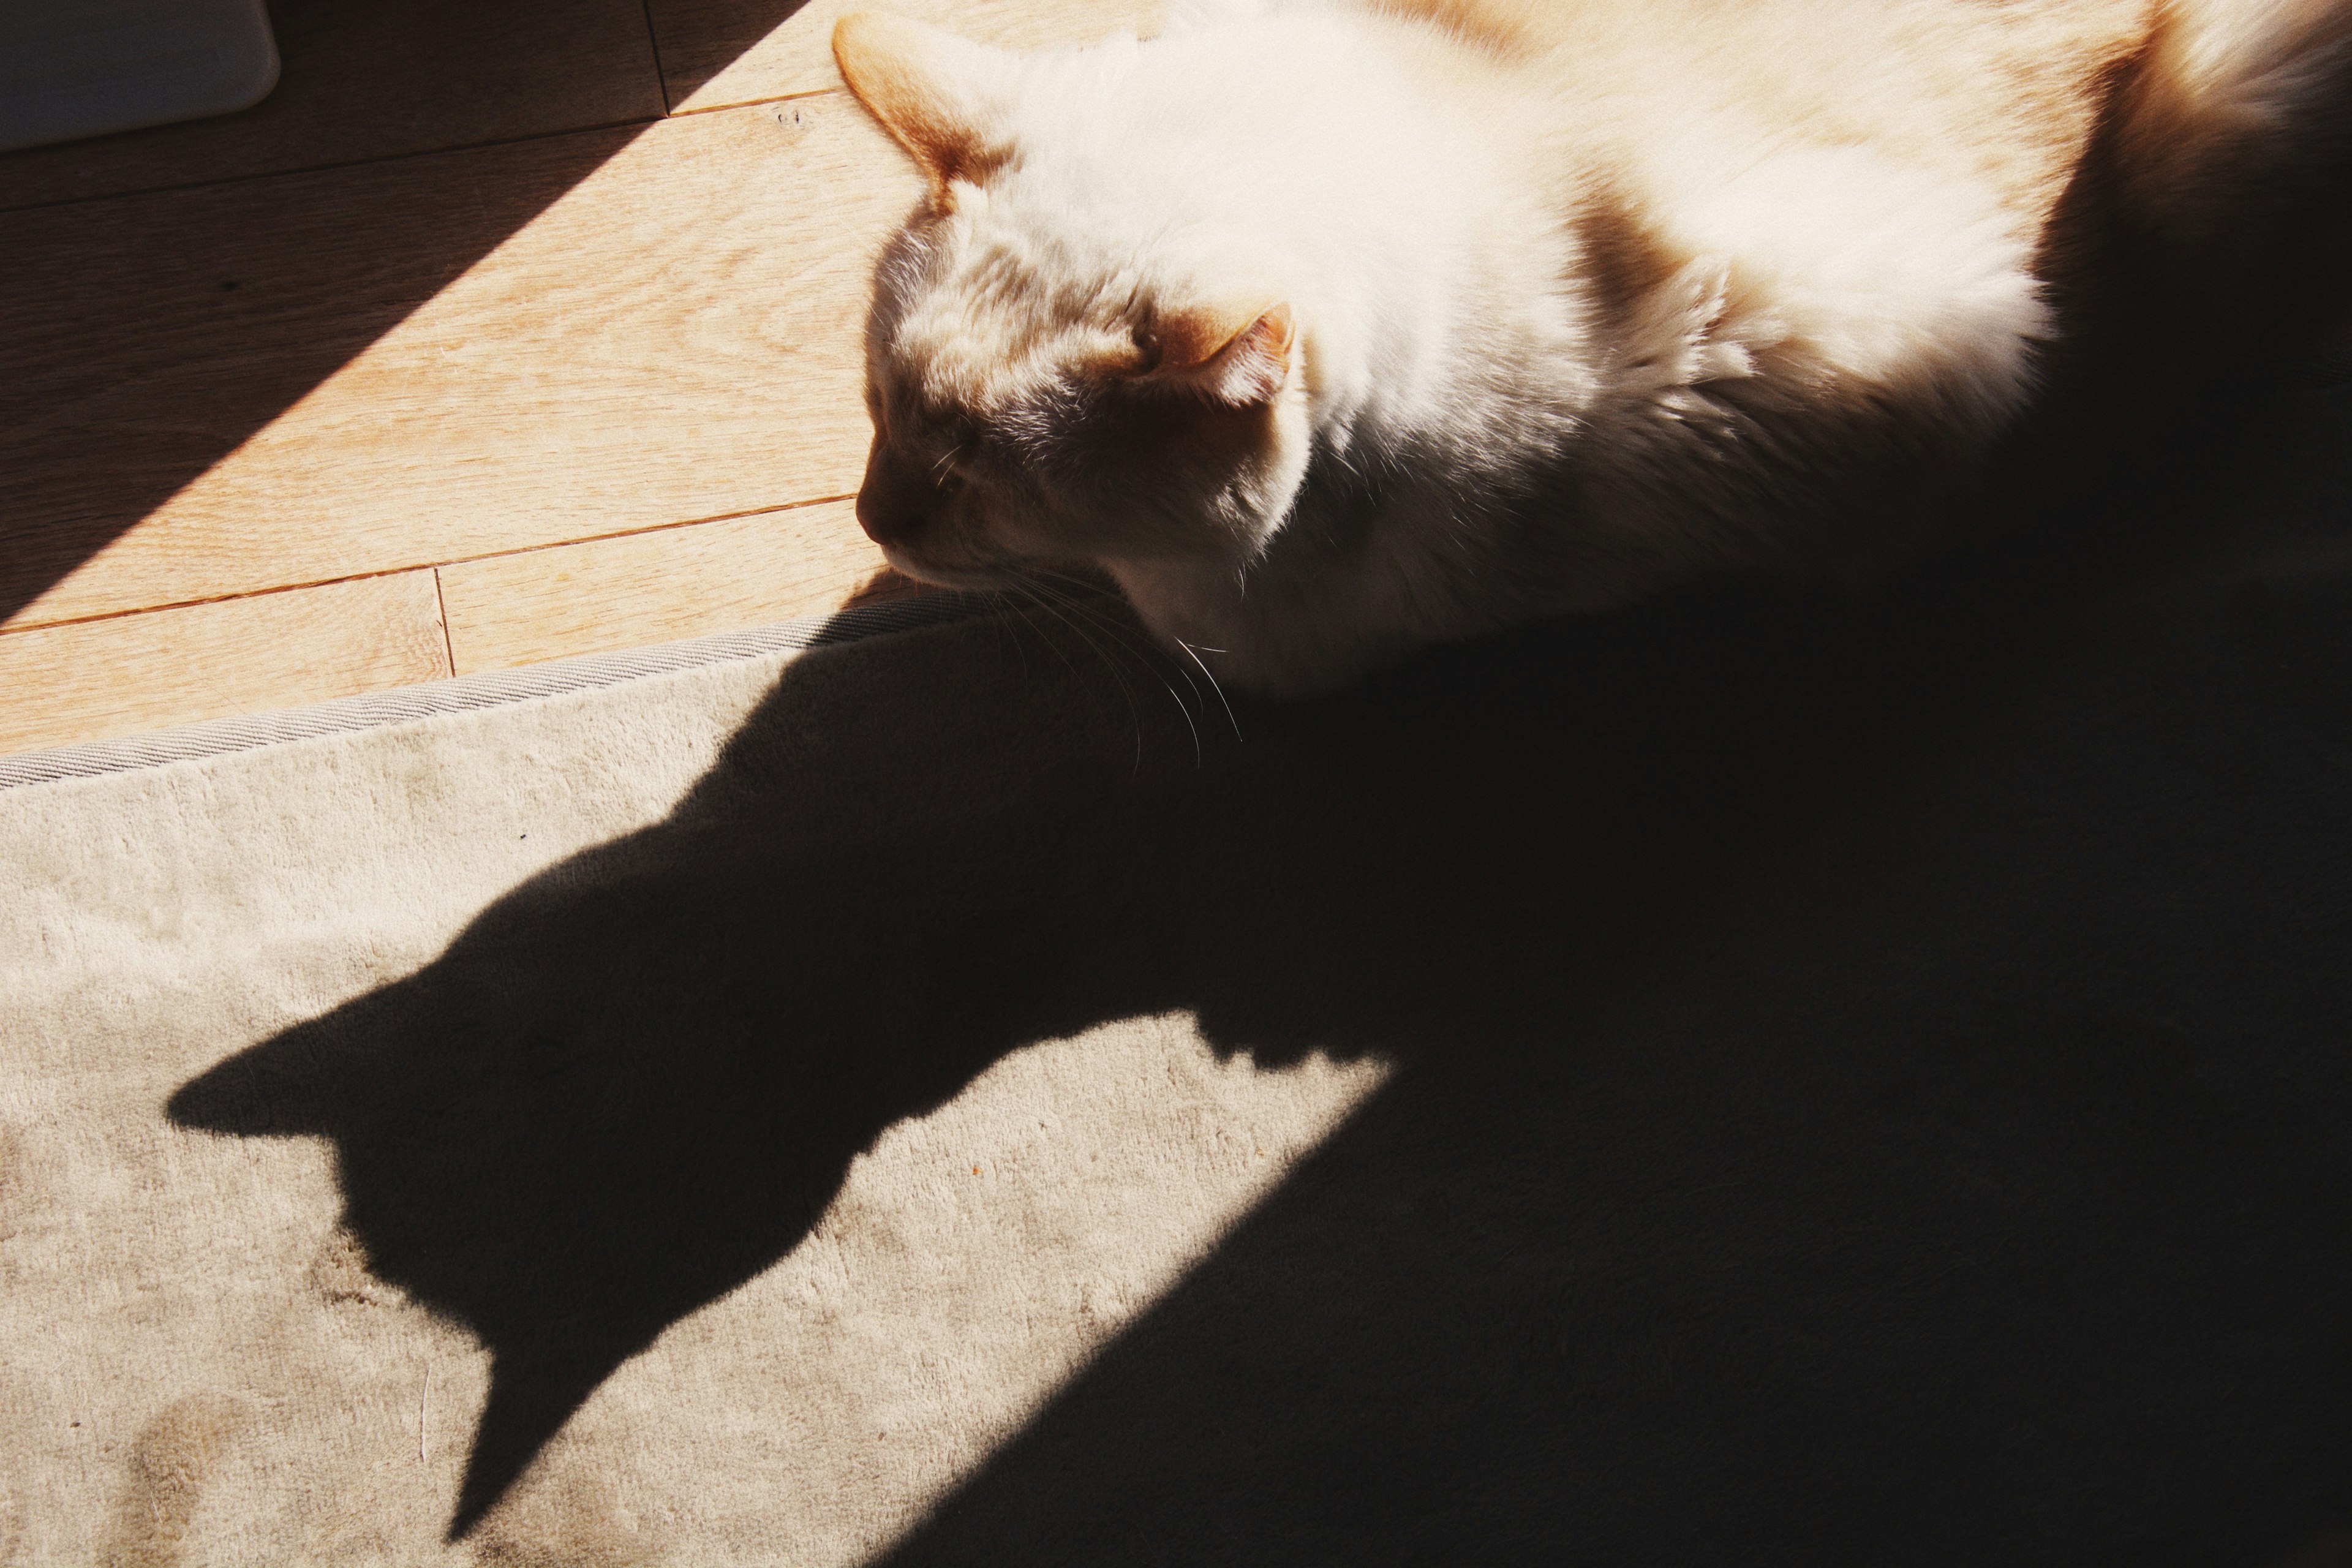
{"x":1234,"y":356}
{"x":945,"y":99}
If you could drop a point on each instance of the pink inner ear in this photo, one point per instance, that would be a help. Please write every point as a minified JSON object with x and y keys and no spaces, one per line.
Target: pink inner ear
{"x":1257,"y":361}
{"x":1241,"y":367}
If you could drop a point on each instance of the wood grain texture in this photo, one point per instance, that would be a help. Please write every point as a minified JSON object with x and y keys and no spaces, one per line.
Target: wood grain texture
{"x":677,"y":582}
{"x":143,"y":340}
{"x":116,"y":677}
{"x":720,"y":52}
{"x":363,"y":79}
{"x":674,"y":336}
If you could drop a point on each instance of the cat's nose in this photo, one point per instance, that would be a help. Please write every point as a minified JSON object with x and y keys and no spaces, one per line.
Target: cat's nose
{"x":892,"y":505}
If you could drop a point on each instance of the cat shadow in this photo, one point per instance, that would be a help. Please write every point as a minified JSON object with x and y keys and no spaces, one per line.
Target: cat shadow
{"x":634,"y":1082}
{"x":1914,"y":1136}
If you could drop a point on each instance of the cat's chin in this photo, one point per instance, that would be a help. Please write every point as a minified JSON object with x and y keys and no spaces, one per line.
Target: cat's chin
{"x":961,"y":577}
{"x":1286,"y":653}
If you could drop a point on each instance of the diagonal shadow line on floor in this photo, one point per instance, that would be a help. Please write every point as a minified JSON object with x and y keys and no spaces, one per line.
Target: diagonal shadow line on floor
{"x":144,"y":337}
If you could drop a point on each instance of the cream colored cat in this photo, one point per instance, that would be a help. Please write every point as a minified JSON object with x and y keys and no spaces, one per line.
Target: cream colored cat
{"x":1330,"y":330}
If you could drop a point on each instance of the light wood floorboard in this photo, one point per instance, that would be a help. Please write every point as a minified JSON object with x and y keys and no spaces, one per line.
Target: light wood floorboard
{"x":676,"y":337}
{"x":677,"y":582}
{"x":117,"y":676}
{"x":505,"y":338}
{"x":145,"y":339}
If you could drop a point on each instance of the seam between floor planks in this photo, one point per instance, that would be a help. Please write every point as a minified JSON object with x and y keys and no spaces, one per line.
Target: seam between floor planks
{"x":365,"y":81}
{"x":179,"y":187}
{"x":152,"y":668}
{"x":550,"y":597}
{"x":676,"y":338}
{"x":7,"y":631}
{"x":165,"y":668}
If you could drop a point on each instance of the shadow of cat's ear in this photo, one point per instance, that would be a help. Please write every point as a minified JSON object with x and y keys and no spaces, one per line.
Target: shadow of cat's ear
{"x":945,"y":100}
{"x":261,"y":1092}
{"x":301,"y":1082}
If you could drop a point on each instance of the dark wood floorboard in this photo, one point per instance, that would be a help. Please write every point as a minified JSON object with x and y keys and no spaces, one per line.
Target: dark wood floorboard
{"x":364,"y":79}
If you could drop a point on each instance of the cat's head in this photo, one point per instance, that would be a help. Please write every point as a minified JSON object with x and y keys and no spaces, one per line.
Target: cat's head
{"x":1077,"y":351}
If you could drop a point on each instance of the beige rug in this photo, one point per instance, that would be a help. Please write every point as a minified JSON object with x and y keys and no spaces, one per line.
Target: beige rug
{"x":1759,"y":1079}
{"x":205,"y":1368}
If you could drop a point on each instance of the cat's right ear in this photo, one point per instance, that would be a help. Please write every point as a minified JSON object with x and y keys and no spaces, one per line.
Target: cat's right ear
{"x":944,"y":98}
{"x":1237,"y":356}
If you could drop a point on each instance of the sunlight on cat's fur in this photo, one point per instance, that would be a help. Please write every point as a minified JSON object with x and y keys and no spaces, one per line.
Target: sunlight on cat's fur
{"x":1331,"y":330}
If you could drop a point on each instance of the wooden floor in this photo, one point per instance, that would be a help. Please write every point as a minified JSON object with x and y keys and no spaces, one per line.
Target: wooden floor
{"x":503,"y":331}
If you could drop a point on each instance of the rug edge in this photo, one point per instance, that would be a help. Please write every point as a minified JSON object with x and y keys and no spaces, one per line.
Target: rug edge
{"x":471,"y":693}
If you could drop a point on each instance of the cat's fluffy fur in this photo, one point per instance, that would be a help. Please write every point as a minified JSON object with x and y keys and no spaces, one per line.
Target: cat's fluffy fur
{"x":1332,"y":329}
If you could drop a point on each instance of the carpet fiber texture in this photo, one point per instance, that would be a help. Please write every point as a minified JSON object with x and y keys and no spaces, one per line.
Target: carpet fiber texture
{"x":1757,"y":1079}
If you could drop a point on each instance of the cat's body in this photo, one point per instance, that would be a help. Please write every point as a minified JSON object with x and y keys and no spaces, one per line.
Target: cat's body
{"x":1332,"y":330}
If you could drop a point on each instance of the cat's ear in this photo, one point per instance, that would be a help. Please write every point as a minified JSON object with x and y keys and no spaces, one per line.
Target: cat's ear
{"x":1229,"y":355}
{"x":944,"y":97}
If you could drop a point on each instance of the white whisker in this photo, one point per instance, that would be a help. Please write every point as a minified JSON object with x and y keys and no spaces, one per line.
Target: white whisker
{"x":1220,"y":690}
{"x":1121,"y":637}
{"x":1135,"y":715}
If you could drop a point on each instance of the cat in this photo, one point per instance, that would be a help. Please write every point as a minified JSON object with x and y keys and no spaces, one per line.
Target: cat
{"x":1330,"y":330}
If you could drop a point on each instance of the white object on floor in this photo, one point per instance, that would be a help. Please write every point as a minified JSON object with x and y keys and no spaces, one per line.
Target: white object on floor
{"x":71,"y":69}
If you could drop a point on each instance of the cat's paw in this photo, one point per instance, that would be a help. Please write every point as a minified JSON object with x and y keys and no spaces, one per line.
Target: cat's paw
{"x":1676,"y":341}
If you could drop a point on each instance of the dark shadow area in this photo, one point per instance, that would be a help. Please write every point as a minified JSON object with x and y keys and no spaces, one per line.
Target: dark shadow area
{"x":700,"y":38}
{"x":1882,"y":1096}
{"x":363,"y":81}
{"x":143,"y":339}
{"x":1871,"y":1075}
